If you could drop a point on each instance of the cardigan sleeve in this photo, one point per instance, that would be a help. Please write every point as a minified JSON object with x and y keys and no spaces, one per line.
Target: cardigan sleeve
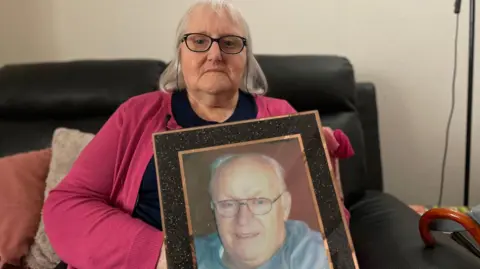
{"x":83,"y":226}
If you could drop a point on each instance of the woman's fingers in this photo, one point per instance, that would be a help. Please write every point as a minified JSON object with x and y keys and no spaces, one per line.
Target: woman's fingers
{"x":162,"y":261}
{"x":332,"y":143}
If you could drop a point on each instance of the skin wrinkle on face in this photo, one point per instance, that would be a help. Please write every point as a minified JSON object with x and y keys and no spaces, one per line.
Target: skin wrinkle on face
{"x":246,"y":237}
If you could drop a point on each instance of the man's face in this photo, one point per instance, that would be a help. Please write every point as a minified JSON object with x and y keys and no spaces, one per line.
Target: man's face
{"x":247,"y":237}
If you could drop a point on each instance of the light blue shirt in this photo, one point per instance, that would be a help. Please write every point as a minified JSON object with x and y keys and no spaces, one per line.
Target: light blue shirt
{"x":303,"y":249}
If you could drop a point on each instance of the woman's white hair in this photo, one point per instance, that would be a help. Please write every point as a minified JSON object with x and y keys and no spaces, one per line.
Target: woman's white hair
{"x":253,"y":81}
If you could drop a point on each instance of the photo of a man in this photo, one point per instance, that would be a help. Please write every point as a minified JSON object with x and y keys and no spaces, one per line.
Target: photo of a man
{"x":251,"y":205}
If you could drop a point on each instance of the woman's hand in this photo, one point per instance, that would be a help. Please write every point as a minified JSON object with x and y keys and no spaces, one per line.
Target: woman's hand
{"x":333,"y":146}
{"x":162,"y":260}
{"x":330,"y":140}
{"x":338,"y":143}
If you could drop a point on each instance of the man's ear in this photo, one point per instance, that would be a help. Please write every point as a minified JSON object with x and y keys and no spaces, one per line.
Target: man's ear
{"x":286,"y":205}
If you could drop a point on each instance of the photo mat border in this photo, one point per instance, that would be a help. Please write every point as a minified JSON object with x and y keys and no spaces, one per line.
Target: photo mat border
{"x":175,"y":222}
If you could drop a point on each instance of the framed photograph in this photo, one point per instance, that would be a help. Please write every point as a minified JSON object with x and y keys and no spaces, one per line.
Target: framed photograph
{"x":251,"y":194}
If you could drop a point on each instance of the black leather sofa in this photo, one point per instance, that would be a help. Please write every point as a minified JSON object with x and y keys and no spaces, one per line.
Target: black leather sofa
{"x":37,"y":98}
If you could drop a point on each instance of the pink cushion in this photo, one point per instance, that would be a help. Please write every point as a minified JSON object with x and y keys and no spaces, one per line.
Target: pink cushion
{"x":22,"y":186}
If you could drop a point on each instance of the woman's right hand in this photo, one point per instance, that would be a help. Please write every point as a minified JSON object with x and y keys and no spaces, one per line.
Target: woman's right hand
{"x":162,"y":260}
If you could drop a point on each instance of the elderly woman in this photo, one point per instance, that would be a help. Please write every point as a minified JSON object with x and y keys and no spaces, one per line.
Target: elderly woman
{"x":105,"y":213}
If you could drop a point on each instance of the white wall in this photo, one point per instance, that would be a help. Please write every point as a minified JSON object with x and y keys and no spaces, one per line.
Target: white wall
{"x":404,"y":47}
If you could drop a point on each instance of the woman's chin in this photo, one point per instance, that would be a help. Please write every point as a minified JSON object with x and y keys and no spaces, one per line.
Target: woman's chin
{"x":217,"y":86}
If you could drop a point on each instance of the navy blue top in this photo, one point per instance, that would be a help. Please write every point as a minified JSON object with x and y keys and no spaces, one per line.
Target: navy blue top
{"x":148,"y":205}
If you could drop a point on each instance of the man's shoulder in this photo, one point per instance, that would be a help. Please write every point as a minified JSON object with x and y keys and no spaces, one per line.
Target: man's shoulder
{"x":209,"y":239}
{"x":302,"y":236}
{"x":306,"y":246}
{"x":207,"y":245}
{"x":313,"y":239}
{"x":207,"y":250}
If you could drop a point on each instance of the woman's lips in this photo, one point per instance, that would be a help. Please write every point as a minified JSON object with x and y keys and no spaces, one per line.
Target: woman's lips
{"x":215,"y":69}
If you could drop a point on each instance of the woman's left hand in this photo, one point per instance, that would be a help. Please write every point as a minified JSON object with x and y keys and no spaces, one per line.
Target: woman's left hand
{"x":338,"y":146}
{"x":332,"y":143}
{"x":162,"y":260}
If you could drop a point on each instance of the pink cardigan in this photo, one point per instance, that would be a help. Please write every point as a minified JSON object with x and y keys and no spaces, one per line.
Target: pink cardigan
{"x":88,"y":215}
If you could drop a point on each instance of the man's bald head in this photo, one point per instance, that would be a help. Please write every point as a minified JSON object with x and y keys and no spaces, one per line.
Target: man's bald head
{"x":247,"y":160}
{"x":251,"y":205}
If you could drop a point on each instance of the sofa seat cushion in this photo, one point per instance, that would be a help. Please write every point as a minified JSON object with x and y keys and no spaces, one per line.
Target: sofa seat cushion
{"x":385,"y":235}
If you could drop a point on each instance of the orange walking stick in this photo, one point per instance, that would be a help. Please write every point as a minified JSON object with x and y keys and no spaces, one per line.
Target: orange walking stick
{"x":446,"y":214}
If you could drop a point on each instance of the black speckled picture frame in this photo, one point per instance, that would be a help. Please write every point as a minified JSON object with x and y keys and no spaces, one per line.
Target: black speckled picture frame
{"x":173,"y":202}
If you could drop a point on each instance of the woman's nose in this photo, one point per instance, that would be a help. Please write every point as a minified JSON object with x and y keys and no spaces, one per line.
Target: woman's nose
{"x":214,"y":53}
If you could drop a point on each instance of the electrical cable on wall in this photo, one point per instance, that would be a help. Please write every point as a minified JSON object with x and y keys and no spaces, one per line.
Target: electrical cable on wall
{"x":452,"y":108}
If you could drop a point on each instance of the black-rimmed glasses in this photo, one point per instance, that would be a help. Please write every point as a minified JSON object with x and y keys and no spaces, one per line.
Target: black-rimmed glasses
{"x":258,"y":206}
{"x":230,"y":44}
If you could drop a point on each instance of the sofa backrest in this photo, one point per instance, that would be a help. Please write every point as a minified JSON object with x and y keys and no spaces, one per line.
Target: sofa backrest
{"x":327,"y":84}
{"x":37,"y":98}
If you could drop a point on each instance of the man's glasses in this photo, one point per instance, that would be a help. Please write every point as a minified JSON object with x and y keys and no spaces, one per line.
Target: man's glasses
{"x":230,"y":44}
{"x":258,"y":206}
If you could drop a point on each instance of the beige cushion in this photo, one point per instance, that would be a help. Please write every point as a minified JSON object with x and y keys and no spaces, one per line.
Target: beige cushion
{"x":66,"y":147}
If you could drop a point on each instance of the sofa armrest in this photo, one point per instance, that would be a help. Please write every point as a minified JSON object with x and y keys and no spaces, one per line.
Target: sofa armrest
{"x":386,"y":235}
{"x":366,"y":104}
